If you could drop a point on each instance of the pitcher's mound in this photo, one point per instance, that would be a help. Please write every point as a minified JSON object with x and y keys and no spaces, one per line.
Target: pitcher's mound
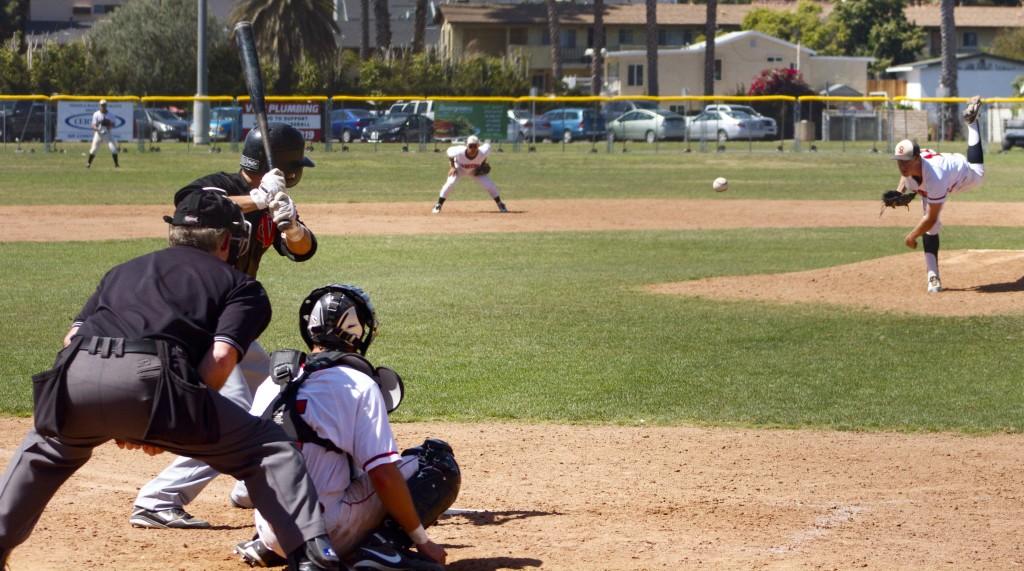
{"x":976,"y":282}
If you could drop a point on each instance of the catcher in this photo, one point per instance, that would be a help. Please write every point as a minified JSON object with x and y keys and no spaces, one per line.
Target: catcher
{"x":101,"y":132}
{"x":934,"y":176}
{"x":470,"y":159}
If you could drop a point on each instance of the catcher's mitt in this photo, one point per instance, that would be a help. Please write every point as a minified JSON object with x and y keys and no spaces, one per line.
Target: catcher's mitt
{"x":483,"y":169}
{"x":894,"y":198}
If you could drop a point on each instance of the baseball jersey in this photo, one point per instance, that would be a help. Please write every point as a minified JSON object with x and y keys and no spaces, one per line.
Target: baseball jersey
{"x":941,"y":174}
{"x":179,"y":294}
{"x":462,"y":162}
{"x":98,"y":118}
{"x":264,"y":233}
{"x":345,"y":407}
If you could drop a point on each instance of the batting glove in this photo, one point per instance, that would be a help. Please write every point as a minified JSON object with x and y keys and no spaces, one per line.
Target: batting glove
{"x":282,"y":207}
{"x":271,"y":184}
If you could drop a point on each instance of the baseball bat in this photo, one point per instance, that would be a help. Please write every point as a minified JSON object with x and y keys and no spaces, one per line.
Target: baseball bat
{"x":254,"y":81}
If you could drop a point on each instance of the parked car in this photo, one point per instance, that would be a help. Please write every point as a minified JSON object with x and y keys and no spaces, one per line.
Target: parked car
{"x":348,"y":124}
{"x":1013,"y":134}
{"x":531,"y":127}
{"x":400,"y":127}
{"x":771,"y":128}
{"x":420,"y":106}
{"x":725,"y":125}
{"x":575,"y":123}
{"x":646,"y":125}
{"x":615,"y":109}
{"x":225,"y":122}
{"x":25,"y":121}
{"x":159,"y":124}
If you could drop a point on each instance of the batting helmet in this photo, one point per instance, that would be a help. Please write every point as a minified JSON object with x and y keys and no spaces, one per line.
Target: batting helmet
{"x":337,"y":317}
{"x":287,"y":146}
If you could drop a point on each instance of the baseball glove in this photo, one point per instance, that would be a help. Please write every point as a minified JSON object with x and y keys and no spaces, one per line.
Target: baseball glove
{"x":894,"y":198}
{"x":483,"y":169}
{"x":105,"y":123}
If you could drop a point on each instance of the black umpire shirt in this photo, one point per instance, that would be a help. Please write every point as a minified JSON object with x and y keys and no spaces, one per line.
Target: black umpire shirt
{"x":264,"y":233}
{"x":182,"y":295}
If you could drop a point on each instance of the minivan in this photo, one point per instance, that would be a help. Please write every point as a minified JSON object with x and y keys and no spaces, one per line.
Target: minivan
{"x":573,"y":123}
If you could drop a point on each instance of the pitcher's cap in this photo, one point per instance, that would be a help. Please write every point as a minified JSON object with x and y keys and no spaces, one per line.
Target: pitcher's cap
{"x":906,"y":150}
{"x":472,"y":140}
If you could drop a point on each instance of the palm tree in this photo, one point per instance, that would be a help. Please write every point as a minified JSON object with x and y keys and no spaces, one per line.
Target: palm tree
{"x":420,"y":27}
{"x":652,"y":47}
{"x":948,"y":79}
{"x":382,"y":15}
{"x":364,"y":24}
{"x":597,"y":63}
{"x":710,"y":24}
{"x":554,"y":31}
{"x":286,"y":30}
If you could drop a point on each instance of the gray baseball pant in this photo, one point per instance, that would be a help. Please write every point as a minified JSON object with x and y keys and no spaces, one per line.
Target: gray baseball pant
{"x":182,"y":481}
{"x":110,"y":398}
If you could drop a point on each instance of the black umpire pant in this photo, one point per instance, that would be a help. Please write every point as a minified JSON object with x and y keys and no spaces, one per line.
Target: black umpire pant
{"x":112,"y":397}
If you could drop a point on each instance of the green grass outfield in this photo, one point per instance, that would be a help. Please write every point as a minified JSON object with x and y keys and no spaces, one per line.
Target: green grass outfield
{"x":552,"y":327}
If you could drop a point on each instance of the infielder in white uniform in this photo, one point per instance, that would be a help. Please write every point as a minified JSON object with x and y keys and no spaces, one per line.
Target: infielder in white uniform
{"x":469,"y":160}
{"x":375,"y":501}
{"x":934,"y":176}
{"x":101,"y":132}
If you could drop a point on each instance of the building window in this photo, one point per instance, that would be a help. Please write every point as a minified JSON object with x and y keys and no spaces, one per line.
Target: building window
{"x":568,"y":39}
{"x":774,"y":59}
{"x":718,"y":70}
{"x":81,"y":10}
{"x":545,"y":37}
{"x":970,"y":39}
{"x":517,"y":36}
{"x":537,"y":81}
{"x":625,"y":36}
{"x":636,"y":74}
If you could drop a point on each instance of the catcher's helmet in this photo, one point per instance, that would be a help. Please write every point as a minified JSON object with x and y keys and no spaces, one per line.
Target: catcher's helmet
{"x":337,"y":317}
{"x":287,"y":146}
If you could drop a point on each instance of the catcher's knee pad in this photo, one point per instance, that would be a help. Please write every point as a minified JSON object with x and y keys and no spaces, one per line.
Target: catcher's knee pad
{"x":435,"y":485}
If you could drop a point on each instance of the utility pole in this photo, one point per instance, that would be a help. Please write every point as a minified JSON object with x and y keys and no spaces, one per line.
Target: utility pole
{"x":201,"y":109}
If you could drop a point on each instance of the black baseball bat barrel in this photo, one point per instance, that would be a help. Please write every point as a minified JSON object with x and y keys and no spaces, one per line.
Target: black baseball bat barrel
{"x":254,"y":81}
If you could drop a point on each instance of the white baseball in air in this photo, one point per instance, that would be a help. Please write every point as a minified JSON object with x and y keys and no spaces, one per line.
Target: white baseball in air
{"x":720,"y":184}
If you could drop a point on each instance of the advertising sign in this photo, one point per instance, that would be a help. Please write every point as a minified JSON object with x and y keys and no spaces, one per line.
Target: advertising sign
{"x":457,"y":120}
{"x":306,"y":116}
{"x":74,"y":119}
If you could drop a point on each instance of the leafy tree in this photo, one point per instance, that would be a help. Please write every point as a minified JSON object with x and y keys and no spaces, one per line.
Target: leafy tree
{"x":1009,"y":43}
{"x":148,"y":47}
{"x":13,"y":15}
{"x":780,"y":81}
{"x":287,"y":30}
{"x":14,"y":76}
{"x":877,"y":28}
{"x":67,"y":68}
{"x":805,"y":25}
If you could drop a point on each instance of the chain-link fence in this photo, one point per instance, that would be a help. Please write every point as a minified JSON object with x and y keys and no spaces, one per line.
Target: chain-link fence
{"x":684,"y":124}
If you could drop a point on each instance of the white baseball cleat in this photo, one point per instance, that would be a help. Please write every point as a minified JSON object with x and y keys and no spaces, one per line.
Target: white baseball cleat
{"x":934,"y":285}
{"x":437,"y":209}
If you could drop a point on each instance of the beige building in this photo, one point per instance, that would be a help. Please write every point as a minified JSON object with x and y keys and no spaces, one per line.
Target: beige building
{"x":739,"y":58}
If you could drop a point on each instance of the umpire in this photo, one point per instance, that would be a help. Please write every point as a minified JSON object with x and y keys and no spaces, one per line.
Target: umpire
{"x":143,"y":365}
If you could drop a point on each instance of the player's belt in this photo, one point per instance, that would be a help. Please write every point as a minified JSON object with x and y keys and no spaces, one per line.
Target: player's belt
{"x":107,"y":346}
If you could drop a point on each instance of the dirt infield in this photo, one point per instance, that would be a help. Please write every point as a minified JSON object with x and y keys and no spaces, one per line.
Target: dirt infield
{"x":564,"y":497}
{"x":583,"y":498}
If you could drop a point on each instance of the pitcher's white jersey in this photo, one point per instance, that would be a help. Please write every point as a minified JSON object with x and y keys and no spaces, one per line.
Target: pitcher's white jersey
{"x":464,"y":163}
{"x":941,"y":174}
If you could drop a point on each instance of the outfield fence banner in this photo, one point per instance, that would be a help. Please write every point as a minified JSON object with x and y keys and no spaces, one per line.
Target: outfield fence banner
{"x":74,"y":119}
{"x":455,"y":119}
{"x":306,"y":116}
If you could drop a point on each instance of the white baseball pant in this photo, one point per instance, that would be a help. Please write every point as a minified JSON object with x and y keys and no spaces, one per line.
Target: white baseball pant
{"x":180,"y":482}
{"x":103,"y":136}
{"x":484,"y":181}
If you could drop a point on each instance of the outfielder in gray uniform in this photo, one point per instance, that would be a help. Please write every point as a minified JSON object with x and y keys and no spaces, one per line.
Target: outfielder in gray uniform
{"x":142,"y":366}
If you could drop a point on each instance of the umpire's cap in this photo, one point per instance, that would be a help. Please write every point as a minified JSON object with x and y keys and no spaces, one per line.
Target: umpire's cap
{"x":287,"y":146}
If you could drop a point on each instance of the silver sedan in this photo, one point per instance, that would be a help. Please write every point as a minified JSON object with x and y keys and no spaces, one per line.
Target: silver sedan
{"x":648,"y":125}
{"x":726,"y":125}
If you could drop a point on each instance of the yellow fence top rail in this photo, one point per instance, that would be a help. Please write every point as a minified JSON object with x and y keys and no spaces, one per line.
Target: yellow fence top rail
{"x":841,"y":98}
{"x":94,"y":97}
{"x":932,"y":99}
{"x":24,"y":98}
{"x":210,"y":98}
{"x":287,"y":98}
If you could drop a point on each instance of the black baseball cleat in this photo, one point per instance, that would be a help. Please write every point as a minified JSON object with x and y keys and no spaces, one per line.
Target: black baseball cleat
{"x":257,"y":554}
{"x":174,"y":518}
{"x":315,"y":555}
{"x":378,"y":554}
